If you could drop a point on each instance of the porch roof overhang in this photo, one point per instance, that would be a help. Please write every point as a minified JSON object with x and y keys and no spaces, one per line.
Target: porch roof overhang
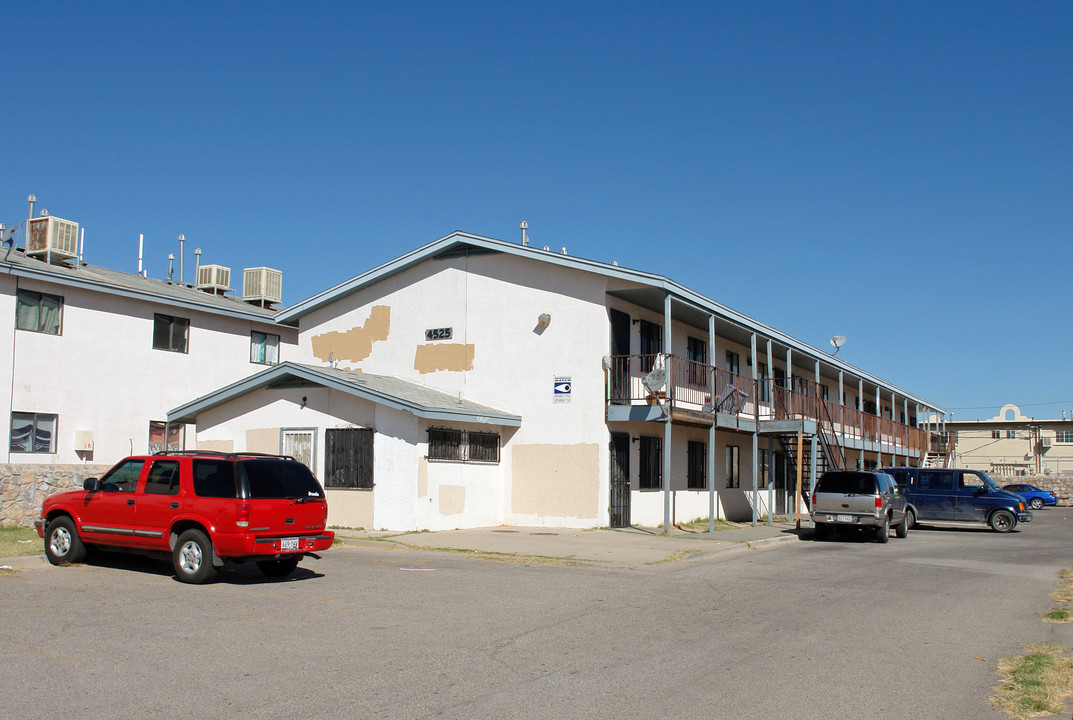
{"x":393,"y":392}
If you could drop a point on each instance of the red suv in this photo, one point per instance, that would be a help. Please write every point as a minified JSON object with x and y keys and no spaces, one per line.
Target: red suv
{"x":202,"y":508}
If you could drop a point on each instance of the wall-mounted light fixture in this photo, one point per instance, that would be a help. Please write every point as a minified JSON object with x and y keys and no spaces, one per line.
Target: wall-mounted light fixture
{"x":544,"y":319}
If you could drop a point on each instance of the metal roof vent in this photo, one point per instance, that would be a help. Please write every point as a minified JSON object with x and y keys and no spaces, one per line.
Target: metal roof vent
{"x":262,"y":286}
{"x":51,"y":237}
{"x":215,"y":279}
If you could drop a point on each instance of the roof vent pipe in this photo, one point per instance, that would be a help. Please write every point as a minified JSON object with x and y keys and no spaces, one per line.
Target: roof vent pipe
{"x":197,"y":264}
{"x":141,"y":246}
{"x":33,"y":200}
{"x":171,"y":265}
{"x":182,"y":239}
{"x":525,"y":237}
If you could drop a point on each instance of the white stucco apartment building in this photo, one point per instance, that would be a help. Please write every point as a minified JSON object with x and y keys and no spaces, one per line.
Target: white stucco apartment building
{"x":94,"y":358}
{"x":476,"y":382}
{"x":1014,"y":444}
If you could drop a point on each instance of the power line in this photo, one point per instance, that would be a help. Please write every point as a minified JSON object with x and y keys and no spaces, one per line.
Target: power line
{"x":1020,"y":405}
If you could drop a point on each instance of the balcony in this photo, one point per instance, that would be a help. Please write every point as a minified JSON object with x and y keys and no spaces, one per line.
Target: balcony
{"x":700,"y":394}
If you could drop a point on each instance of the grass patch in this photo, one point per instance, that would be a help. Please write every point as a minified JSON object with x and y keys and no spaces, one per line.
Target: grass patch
{"x":501,"y":557}
{"x":1066,"y":574}
{"x":701,"y":525}
{"x":1064,"y":591}
{"x":344,"y":527}
{"x":1034,"y":684}
{"x":674,"y":557}
{"x":1057,"y":615}
{"x":16,"y":541}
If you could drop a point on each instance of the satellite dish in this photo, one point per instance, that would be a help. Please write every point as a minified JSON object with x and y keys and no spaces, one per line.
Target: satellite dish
{"x":838,"y":341}
{"x":655,"y":380}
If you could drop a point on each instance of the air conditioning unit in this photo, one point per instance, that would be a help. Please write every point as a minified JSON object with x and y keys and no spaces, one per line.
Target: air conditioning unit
{"x":262,"y":285}
{"x":1046,"y":441}
{"x":51,"y":237}
{"x":214,"y":278}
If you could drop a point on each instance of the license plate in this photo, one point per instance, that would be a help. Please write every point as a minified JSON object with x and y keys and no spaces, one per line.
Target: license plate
{"x":844,"y":518}
{"x":288,"y":544}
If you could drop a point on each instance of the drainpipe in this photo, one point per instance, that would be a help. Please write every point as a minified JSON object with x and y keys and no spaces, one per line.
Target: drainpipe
{"x":756,"y":427}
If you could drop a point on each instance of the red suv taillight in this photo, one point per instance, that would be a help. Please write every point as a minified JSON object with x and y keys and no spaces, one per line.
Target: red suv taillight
{"x":879,"y":502}
{"x":242,"y":514}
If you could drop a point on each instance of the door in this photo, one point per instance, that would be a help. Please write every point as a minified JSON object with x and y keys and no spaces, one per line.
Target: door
{"x":158,"y":502}
{"x":620,"y":480}
{"x":620,"y":354}
{"x":108,"y":515}
{"x":970,"y":505}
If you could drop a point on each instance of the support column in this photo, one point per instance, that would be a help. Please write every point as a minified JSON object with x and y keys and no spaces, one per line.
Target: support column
{"x":667,"y":418}
{"x":756,"y":427}
{"x":711,"y":430}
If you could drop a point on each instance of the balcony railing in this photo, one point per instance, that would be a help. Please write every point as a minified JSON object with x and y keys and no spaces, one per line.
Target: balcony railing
{"x":699,"y":387}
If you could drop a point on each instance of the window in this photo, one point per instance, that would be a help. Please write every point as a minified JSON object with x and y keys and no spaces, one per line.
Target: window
{"x":764,"y":469}
{"x":996,"y":434}
{"x":651,"y":344}
{"x":39,"y":312}
{"x":1063,"y":436}
{"x":1011,"y":434}
{"x":765,"y":393}
{"x":970,"y":481}
{"x":448,"y":445}
{"x":696,"y":465}
{"x":170,"y":333}
{"x":163,"y":478}
{"x":214,"y":478}
{"x":300,"y":444}
{"x":733,"y":362}
{"x":264,"y":348}
{"x":733,"y":466}
{"x":651,"y":463}
{"x":348,"y":458}
{"x":940,"y":480}
{"x":166,"y":437}
{"x":123,"y":478}
{"x":697,"y":353}
{"x":33,"y":432}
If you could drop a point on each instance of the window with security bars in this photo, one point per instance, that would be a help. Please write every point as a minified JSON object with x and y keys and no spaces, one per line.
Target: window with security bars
{"x":348,"y":458}
{"x":651,"y":477}
{"x":696,"y":466}
{"x":446,"y":445}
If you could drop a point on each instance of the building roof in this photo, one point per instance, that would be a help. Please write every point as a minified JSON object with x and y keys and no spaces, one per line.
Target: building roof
{"x":112,"y":282}
{"x":649,"y":292}
{"x":393,"y":392}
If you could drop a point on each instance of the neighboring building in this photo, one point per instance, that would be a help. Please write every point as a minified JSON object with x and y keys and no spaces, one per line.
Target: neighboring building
{"x":1012,"y":444}
{"x":97,"y":357}
{"x":475,"y":382}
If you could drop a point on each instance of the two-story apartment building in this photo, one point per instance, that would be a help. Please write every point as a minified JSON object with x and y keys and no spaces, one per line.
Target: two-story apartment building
{"x":1013,"y":444}
{"x":95,"y":358}
{"x":476,"y":382}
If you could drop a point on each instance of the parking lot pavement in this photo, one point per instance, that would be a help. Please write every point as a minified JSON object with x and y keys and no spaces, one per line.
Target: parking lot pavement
{"x":624,"y":548}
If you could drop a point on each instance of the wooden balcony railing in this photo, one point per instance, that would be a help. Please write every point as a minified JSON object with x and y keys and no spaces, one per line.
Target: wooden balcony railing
{"x":700,"y":387}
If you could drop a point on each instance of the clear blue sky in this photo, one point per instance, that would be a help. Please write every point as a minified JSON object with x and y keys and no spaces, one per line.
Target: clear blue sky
{"x":899,"y":173}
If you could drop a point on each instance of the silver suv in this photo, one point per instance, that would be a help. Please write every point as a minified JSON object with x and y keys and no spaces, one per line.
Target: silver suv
{"x":856,"y":499}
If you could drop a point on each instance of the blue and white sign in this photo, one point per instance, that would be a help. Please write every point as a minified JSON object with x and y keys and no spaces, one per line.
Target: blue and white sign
{"x":562,"y":389}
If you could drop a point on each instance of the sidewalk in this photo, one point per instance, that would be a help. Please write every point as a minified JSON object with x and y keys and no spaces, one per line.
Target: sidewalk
{"x":627,"y":547}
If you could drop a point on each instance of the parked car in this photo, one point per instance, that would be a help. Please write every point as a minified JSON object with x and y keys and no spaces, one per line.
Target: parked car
{"x":202,"y":508}
{"x":856,"y":499}
{"x":1035,"y":497}
{"x":953,"y":496}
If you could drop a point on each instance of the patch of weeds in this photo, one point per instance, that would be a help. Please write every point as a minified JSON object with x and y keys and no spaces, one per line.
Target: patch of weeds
{"x":1057,"y":615}
{"x":701,"y":525}
{"x":1064,"y":591}
{"x":7,"y":571}
{"x":502,"y":557}
{"x":1034,"y":684}
{"x":16,"y":541}
{"x":1066,"y":574}
{"x":674,"y":557}
{"x":345,"y":527}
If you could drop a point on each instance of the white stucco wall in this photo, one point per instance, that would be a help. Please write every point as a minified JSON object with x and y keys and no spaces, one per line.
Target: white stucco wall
{"x":102,"y":375}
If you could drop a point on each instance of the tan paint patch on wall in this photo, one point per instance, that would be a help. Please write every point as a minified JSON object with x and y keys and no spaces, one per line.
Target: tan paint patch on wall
{"x":422,"y":478}
{"x":556,"y":480}
{"x":263,"y":440}
{"x":452,"y":499}
{"x":355,"y":344}
{"x":350,"y":508}
{"x":453,"y":357}
{"x":216,"y":445}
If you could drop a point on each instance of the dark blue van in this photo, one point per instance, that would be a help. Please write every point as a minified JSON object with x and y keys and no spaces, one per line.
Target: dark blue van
{"x":949,"y":495}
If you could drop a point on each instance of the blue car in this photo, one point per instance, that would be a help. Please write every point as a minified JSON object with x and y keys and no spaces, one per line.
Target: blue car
{"x":1035,"y":497}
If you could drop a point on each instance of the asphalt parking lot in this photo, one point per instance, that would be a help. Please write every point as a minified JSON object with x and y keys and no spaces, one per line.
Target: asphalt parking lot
{"x":910,"y":629}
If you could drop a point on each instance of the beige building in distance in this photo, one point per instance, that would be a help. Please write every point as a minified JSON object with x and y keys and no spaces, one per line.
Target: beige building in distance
{"x":1011,"y":444}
